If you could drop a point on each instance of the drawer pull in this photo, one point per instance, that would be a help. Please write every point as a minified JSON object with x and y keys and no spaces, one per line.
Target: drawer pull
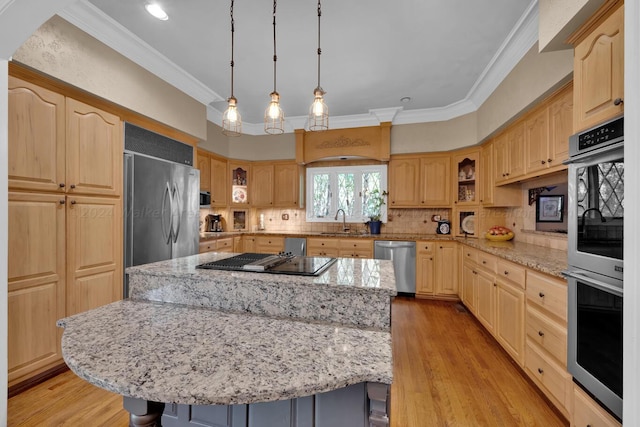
{"x":61,"y":185}
{"x":541,"y":294}
{"x":617,"y":101}
{"x":484,"y":262}
{"x":540,"y":371}
{"x":506,"y":273}
{"x":541,"y":333}
{"x":73,"y":186}
{"x":62,"y":201}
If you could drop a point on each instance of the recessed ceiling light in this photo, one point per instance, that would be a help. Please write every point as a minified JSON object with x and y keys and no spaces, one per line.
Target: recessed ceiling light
{"x":405,"y":99}
{"x":155,"y":10}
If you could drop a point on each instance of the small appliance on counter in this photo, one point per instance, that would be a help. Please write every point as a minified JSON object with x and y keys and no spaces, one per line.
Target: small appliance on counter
{"x":213,"y":222}
{"x":444,"y":227}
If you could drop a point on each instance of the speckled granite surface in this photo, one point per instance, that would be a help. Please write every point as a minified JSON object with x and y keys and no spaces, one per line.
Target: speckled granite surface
{"x":544,"y":260}
{"x":172,"y":353}
{"x":352,"y":291}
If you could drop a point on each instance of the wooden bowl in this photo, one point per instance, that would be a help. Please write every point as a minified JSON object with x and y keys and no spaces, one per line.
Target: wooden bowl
{"x":499,"y":238}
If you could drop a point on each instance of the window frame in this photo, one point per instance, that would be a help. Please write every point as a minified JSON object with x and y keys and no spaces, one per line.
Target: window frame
{"x":333,"y":172}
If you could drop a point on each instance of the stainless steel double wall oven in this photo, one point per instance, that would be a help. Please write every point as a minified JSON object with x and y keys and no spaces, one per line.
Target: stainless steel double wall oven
{"x":595,"y":258}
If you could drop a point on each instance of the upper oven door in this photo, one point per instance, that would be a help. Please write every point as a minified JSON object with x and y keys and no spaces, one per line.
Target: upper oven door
{"x":596,"y":213}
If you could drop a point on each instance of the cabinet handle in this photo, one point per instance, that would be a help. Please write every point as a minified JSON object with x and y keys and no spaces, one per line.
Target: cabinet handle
{"x":542,"y":162}
{"x":541,"y":294}
{"x":62,"y":201}
{"x":73,"y":202}
{"x":431,"y":259}
{"x":61,"y":185}
{"x":72,"y":186}
{"x":540,"y":371}
{"x":484,"y":262}
{"x":475,"y":272}
{"x":617,"y":101}
{"x":549,"y":160}
{"x":440,"y":247}
{"x":507,"y":173}
{"x":422,"y":202}
{"x":541,"y":333}
{"x":506,"y":273}
{"x":495,"y":284}
{"x":393,"y":202}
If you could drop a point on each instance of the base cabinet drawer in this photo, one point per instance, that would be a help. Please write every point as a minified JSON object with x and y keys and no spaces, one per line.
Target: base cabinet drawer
{"x":548,"y":334}
{"x":548,"y":293}
{"x":207,"y":246}
{"x":586,"y":412}
{"x":555,"y":380}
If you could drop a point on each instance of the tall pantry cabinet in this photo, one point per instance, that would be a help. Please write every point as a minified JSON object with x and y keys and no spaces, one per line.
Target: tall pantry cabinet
{"x":65,"y":220}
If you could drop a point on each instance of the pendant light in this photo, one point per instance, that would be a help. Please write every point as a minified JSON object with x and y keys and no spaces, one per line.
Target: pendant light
{"x":273,"y":116}
{"x":231,"y":121}
{"x":319,"y":112}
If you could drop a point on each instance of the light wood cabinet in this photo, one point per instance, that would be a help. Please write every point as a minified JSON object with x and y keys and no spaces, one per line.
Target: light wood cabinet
{"x":435,"y":172}
{"x":94,"y":151}
{"x":241,"y":181}
{"x":262,"y":185}
{"x":203,"y":163}
{"x":425,"y":266}
{"x":219,"y":183}
{"x":248,"y":244}
{"x":322,"y":246}
{"x":419,"y":181}
{"x":586,"y":412}
{"x":509,"y":154}
{"x":287,"y":190}
{"x":269,"y":244}
{"x":446,"y":271}
{"x":404,"y":182}
{"x":355,"y":248}
{"x":510,"y":319}
{"x":94,"y":252}
{"x":36,"y":153}
{"x":65,"y":230}
{"x":490,"y":195}
{"x":598,"y":67}
{"x":224,"y":244}
{"x":486,"y":299}
{"x":36,"y":283}
{"x":547,"y":131}
{"x":469,"y":285}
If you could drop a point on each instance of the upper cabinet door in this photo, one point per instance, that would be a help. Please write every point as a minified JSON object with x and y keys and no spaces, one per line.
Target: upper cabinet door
{"x":94,"y":150}
{"x":262,"y":185}
{"x":436,"y":184}
{"x":36,"y":138}
{"x":205,"y":171}
{"x":286,"y":190}
{"x":404,"y":182}
{"x":599,"y":73}
{"x":218,"y":182}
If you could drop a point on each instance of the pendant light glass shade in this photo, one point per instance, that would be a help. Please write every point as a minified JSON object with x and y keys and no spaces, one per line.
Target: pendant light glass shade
{"x":319,"y":112}
{"x":231,"y":121}
{"x":273,"y":116}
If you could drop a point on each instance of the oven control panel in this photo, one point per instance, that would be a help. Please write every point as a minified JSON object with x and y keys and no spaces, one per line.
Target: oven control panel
{"x":599,"y":136}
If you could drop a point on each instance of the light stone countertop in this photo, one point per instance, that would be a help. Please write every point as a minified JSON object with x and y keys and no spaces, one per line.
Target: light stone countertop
{"x":173,"y":353}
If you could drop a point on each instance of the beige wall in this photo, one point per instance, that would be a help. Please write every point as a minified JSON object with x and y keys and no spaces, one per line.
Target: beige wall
{"x":435,"y":136}
{"x":535,"y":76}
{"x":63,"y":51}
{"x":558,"y":19}
{"x":216,"y":141}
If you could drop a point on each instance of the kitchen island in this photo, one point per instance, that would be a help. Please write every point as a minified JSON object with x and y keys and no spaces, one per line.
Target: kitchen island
{"x":243,"y":344}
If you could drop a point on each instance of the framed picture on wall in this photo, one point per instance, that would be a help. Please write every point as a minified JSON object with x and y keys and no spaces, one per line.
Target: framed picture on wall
{"x":240,"y":222}
{"x":549,"y":209}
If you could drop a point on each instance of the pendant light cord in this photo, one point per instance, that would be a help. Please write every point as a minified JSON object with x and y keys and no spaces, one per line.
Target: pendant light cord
{"x":232,"y":45}
{"x":319,"y":50}
{"x":275,"y":57}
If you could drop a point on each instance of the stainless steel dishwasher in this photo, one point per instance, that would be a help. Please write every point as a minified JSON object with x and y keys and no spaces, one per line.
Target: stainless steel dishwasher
{"x":403,"y":255}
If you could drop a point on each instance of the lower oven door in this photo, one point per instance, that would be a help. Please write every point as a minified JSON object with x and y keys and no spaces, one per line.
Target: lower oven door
{"x":594,"y":353}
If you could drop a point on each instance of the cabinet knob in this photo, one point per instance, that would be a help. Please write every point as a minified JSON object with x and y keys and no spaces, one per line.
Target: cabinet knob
{"x":393,"y":202}
{"x":62,"y":201}
{"x":72,"y":186}
{"x":61,"y":185}
{"x":73,"y":202}
{"x":484,"y":262}
{"x":617,"y":101}
{"x":430,"y":258}
{"x":542,"y":162}
{"x":475,"y":272}
{"x":549,"y":160}
{"x":541,"y":333}
{"x":495,"y":284}
{"x":507,"y":174}
{"x":540,"y":371}
{"x":506,"y":273}
{"x":541,"y":294}
{"x":440,"y":247}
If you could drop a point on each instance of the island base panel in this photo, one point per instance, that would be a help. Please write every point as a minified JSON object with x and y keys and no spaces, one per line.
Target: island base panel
{"x":143,"y":413}
{"x":364,"y":404}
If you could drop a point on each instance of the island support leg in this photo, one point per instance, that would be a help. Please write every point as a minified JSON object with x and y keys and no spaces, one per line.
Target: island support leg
{"x":143,"y":413}
{"x":378,"y":395}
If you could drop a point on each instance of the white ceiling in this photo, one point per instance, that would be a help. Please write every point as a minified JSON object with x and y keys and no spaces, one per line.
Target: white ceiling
{"x":446,"y":55}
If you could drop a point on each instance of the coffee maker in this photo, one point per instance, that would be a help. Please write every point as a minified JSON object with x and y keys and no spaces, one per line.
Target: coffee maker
{"x":213,"y":222}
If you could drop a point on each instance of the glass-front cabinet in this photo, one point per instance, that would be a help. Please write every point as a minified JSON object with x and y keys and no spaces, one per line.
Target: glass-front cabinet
{"x":467,"y":178}
{"x":240,"y":180}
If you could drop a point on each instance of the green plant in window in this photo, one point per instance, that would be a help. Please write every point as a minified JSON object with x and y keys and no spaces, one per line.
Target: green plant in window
{"x":375,"y":201}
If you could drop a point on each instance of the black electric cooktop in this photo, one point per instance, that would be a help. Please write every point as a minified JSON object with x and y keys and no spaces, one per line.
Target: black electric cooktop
{"x":274,"y":264}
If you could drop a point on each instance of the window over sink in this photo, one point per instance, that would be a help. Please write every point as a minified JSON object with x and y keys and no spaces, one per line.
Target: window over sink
{"x":344,"y":187}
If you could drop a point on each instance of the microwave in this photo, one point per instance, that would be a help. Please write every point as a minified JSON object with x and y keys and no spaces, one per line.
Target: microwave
{"x":205,"y":199}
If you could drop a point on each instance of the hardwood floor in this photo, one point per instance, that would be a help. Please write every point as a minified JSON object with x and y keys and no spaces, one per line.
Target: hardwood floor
{"x":447,"y":372}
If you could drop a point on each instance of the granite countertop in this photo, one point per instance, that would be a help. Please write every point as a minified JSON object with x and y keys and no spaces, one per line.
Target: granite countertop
{"x":352,"y":291}
{"x":173,"y":353}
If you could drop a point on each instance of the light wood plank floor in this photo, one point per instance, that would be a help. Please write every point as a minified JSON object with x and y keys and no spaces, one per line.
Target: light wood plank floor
{"x":447,"y":372}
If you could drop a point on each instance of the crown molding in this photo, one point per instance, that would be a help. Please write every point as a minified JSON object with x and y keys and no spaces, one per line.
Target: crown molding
{"x":94,"y":22}
{"x":519,"y":41}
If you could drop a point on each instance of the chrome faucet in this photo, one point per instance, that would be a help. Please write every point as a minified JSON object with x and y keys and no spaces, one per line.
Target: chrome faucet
{"x":584,"y":214}
{"x":344,"y":225}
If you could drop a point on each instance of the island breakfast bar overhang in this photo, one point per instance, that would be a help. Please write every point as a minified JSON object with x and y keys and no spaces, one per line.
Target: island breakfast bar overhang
{"x":247,"y":348}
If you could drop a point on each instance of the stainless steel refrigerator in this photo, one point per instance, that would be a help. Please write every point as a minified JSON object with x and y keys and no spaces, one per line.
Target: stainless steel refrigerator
{"x":161,"y":208}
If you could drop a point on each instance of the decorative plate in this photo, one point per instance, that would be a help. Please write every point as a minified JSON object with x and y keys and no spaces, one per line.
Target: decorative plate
{"x":239,"y":195}
{"x":469,"y":224}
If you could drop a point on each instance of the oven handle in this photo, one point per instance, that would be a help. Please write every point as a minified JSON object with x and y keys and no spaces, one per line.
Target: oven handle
{"x":580,"y":275}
